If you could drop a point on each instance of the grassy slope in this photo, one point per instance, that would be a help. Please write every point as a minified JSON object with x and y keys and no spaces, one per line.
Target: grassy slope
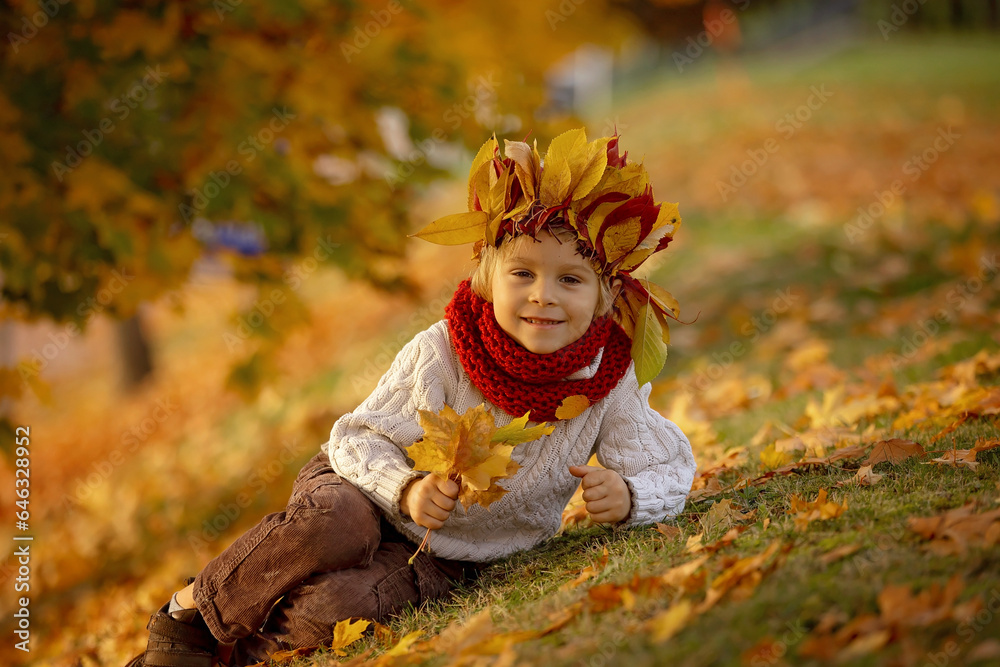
{"x":790,"y":601}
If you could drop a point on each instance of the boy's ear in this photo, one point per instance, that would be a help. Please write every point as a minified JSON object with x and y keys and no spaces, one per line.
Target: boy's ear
{"x":616,"y":288}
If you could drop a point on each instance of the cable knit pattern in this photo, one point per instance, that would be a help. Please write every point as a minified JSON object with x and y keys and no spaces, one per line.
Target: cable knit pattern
{"x":366,"y":447}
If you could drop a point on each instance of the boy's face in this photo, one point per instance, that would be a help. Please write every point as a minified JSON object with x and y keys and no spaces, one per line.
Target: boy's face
{"x":545,"y":294}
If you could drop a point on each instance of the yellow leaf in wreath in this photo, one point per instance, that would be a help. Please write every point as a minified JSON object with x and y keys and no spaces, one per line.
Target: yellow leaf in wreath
{"x":649,"y":352}
{"x":556,"y":178}
{"x":525,"y":165}
{"x":597,"y":217}
{"x":455,"y":229}
{"x":479,"y":172}
{"x":665,"y":299}
{"x":588,"y":168}
{"x":620,"y":239}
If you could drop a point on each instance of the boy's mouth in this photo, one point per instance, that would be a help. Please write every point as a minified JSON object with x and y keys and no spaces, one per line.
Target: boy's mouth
{"x":541,"y":321}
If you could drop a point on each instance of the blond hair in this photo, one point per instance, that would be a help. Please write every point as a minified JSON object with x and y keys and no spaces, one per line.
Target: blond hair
{"x":490,"y":258}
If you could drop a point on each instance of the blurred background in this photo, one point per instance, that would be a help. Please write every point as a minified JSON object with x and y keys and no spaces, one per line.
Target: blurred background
{"x":204,"y":209}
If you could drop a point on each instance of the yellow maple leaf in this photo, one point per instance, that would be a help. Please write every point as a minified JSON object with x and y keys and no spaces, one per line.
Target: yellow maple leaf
{"x":816,"y":510}
{"x":460,"y":448}
{"x":772,"y":458}
{"x":347,"y":632}
{"x":402,"y":647}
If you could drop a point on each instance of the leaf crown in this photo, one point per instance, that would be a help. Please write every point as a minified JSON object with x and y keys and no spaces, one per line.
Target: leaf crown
{"x":588,"y":188}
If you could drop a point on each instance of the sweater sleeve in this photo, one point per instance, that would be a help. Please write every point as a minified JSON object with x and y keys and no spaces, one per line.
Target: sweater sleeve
{"x":649,"y":451}
{"x":366,"y":446}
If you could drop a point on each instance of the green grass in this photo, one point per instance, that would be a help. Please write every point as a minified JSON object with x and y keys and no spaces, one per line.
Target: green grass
{"x":787,"y":605}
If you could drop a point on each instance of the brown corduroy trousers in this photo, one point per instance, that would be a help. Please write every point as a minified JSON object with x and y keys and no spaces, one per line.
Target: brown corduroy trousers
{"x":330,"y":555}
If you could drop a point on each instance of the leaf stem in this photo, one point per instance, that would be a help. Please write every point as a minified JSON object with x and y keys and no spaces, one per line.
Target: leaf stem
{"x":420,"y":548}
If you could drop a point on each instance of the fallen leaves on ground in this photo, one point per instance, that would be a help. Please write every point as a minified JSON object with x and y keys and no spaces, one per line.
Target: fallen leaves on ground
{"x":467,"y":642}
{"x":954,"y":531}
{"x":817,"y":510}
{"x":589,"y":571}
{"x":836,"y":554}
{"x":957,"y":458}
{"x":866,"y":477}
{"x":742,"y":576}
{"x":668,"y":531}
{"x":894,"y":450}
{"x":668,"y":623}
{"x":724,"y":513}
{"x":345,"y":633}
{"x":771,"y":458}
{"x":900,"y":611}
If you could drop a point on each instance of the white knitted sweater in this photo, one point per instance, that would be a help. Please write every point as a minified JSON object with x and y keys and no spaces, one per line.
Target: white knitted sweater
{"x":366,"y":447}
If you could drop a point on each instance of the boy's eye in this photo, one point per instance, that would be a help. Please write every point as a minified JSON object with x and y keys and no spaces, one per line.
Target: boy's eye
{"x":572,"y":280}
{"x":521,"y":273}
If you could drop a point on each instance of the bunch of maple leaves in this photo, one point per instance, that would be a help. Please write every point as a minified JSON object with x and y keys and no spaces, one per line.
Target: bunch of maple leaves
{"x":471,"y":450}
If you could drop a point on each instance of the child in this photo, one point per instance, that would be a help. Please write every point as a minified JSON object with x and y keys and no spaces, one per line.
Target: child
{"x":549,"y":314}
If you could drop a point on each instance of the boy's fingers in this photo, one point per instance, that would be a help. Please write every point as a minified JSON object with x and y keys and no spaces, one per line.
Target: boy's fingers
{"x":449,"y":488}
{"x":595,"y":492}
{"x":430,"y":522}
{"x":598,"y":506}
{"x":445,"y":503}
{"x":581,"y":471}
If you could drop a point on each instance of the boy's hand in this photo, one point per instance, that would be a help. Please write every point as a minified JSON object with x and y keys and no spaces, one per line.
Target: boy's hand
{"x":606,"y":493}
{"x":429,"y":500}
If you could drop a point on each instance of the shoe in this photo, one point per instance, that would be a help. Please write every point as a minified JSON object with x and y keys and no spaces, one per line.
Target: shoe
{"x":183,"y":640}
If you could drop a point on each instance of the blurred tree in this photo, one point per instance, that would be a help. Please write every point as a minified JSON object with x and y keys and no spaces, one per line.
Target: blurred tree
{"x":125,"y":128}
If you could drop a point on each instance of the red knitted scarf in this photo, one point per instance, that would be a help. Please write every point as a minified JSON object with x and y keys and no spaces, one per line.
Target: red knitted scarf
{"x":518,"y":381}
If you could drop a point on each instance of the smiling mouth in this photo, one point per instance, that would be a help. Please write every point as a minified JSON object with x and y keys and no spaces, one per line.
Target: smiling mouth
{"x":539,"y":320}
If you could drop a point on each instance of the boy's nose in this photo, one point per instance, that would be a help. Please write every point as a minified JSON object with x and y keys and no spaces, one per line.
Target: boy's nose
{"x":543,"y":294}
